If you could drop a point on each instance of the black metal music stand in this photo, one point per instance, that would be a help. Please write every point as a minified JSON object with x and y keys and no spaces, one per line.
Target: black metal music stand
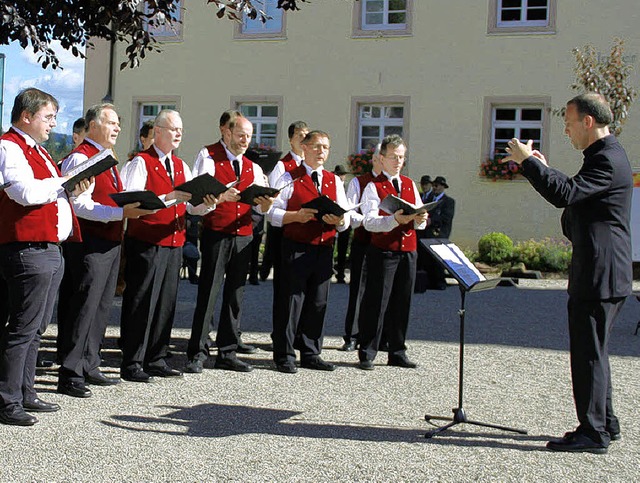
{"x":451,"y":258}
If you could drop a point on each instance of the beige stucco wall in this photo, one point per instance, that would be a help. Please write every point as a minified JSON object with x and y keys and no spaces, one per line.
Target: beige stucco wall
{"x":447,"y":68}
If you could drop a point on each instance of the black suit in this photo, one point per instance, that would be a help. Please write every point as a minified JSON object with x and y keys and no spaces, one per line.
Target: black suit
{"x":596,"y":219}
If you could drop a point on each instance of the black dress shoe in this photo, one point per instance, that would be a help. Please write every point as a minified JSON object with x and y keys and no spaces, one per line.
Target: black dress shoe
{"x":615,"y":436}
{"x":40,"y":406}
{"x":366,"y":365}
{"x":99,"y":379}
{"x":318,"y":364}
{"x":348,"y":346}
{"x":43,"y":363}
{"x":194,"y":367}
{"x":163,"y":371}
{"x":576,"y":442}
{"x":287,"y":368}
{"x":232,"y":364}
{"x":16,"y":416}
{"x":401,"y":362}
{"x":254,"y":281}
{"x":246,"y":348}
{"x":135,"y":375}
{"x":74,"y":389}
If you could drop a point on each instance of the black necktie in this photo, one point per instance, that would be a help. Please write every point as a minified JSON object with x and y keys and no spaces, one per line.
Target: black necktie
{"x":167,"y":164}
{"x":396,"y":185}
{"x":236,"y":168}
{"x":314,"y":177}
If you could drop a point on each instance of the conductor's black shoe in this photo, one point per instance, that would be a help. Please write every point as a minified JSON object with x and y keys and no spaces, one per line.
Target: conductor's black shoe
{"x":576,"y":442}
{"x":74,"y":389}
{"x":317,"y":364}
{"x":40,"y":406}
{"x":366,"y":365}
{"x":163,"y":371}
{"x":16,"y":416}
{"x":348,"y":346}
{"x":615,"y":436}
{"x":400,"y":361}
{"x":99,"y":379}
{"x":246,"y":348}
{"x":135,"y":375}
{"x":232,"y":364}
{"x":287,"y":368}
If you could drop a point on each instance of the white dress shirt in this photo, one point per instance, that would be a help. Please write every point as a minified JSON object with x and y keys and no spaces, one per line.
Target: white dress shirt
{"x":354,"y":197}
{"x":26,"y":190}
{"x":375,"y":222}
{"x":84,"y":205}
{"x":278,"y":170}
{"x":279,"y":208}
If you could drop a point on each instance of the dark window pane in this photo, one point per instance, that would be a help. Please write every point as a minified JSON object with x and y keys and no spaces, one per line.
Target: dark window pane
{"x":510,"y":16}
{"x":396,"y":18}
{"x":537,"y":14}
{"x":538,"y":3}
{"x":397,"y":4}
{"x":269,"y":129}
{"x":505,"y":133}
{"x":149,"y":110}
{"x":388,"y":130}
{"x":371,"y":131}
{"x":249,"y":111}
{"x":270,"y":111}
{"x":395,"y":112}
{"x":511,"y":4}
{"x":505,"y":114}
{"x":529,"y":133}
{"x":374,"y":5}
{"x":532,"y":114}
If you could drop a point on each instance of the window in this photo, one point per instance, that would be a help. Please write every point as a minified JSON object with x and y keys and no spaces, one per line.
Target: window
{"x":168,"y":31}
{"x":264,"y":113}
{"x":377,"y":118}
{"x":146,"y":109}
{"x":274,"y":27}
{"x":522,"y":16}
{"x":521,"y":118}
{"x":375,"y":18}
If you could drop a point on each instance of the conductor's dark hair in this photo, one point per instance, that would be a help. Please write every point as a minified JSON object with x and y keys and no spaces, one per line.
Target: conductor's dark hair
{"x":594,"y":105}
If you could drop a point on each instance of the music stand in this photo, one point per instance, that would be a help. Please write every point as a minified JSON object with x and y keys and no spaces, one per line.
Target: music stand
{"x":451,"y":258}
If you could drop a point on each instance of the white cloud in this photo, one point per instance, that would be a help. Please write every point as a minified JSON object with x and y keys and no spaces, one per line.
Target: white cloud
{"x":67,"y":60}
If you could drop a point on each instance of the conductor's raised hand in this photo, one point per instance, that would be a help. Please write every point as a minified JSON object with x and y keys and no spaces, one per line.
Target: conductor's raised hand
{"x":517,"y":151}
{"x":179,"y":196}
{"x":132,"y":211}
{"x":333,"y":219}
{"x":231,"y":194}
{"x":403,"y":219}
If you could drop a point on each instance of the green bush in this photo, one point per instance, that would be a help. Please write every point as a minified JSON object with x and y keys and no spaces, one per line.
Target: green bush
{"x":495,"y":248}
{"x":547,"y":255}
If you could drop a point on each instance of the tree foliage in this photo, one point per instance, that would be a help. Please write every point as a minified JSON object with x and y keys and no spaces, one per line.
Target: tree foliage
{"x":36,"y":23}
{"x":609,"y":76}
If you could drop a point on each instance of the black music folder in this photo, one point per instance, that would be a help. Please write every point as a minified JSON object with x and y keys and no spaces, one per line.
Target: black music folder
{"x":392,"y":203}
{"x":93,"y":166}
{"x":251,"y":192}
{"x":325,"y":206}
{"x":203,"y":185}
{"x":148,"y":200}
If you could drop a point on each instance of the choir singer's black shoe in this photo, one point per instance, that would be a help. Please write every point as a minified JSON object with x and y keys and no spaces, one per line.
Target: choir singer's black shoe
{"x":576,"y":442}
{"x":232,"y":364}
{"x":246,"y":348}
{"x":348,"y":346}
{"x":399,"y":361}
{"x":366,"y":365}
{"x":194,"y":366}
{"x":74,"y":389}
{"x":316,"y":363}
{"x":99,"y":379}
{"x":16,"y":416}
{"x":287,"y":368}
{"x":163,"y":371}
{"x":135,"y":375}
{"x":615,"y":436}
{"x":39,"y":406}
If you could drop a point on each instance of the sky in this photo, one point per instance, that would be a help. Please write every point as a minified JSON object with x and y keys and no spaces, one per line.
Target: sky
{"x":21,"y":70}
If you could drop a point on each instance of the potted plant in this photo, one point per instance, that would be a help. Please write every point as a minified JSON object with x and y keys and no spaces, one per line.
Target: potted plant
{"x":360,"y":163}
{"x":493,"y":169}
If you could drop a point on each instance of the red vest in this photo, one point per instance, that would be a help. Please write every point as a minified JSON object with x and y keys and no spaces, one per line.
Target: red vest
{"x":228,"y":217}
{"x":403,"y":237}
{"x":304,"y":190}
{"x":32,"y":223}
{"x":289,"y":163}
{"x":360,"y":234}
{"x":167,"y":227}
{"x":105,"y":184}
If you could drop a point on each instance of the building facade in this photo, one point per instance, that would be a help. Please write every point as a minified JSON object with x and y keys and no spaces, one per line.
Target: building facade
{"x":456,"y":79}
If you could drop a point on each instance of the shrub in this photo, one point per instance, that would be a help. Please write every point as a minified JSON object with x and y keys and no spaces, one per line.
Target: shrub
{"x":495,"y":248}
{"x":547,"y":255}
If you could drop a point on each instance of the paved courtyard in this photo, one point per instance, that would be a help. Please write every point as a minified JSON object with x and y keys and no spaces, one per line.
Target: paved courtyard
{"x":347,"y":425}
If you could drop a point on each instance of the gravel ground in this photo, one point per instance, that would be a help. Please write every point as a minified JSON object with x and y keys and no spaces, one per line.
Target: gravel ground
{"x":348,"y":425}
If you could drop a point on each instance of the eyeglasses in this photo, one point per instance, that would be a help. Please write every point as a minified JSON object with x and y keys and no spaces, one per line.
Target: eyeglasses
{"x":178,"y":130}
{"x":49,"y":118}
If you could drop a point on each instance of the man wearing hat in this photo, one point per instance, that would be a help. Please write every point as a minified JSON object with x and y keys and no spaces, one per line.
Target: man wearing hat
{"x":427,"y":188}
{"x":438,"y":226}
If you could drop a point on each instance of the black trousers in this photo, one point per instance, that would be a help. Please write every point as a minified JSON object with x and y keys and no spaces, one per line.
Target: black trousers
{"x":152,"y":274}
{"x":356,"y":288}
{"x":590,"y":324}
{"x":274,"y":247}
{"x":32,"y":272}
{"x":342,"y":246}
{"x":306,"y":278}
{"x":225,"y":261}
{"x":94,"y":263}
{"x":386,"y":301}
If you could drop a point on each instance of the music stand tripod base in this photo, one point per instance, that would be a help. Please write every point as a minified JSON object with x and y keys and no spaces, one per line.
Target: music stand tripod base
{"x":459,"y":416}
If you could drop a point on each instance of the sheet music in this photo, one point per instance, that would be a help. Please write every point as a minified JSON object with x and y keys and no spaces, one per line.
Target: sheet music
{"x":458,"y":263}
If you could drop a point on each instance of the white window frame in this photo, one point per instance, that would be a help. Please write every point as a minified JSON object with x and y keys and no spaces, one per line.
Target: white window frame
{"x":362,"y":29}
{"x":168,"y":102}
{"x":259,"y":120}
{"x":169,"y":32}
{"x":497,"y":26}
{"x":265,"y":30}
{"x":490,"y":123}
{"x":358,"y":103}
